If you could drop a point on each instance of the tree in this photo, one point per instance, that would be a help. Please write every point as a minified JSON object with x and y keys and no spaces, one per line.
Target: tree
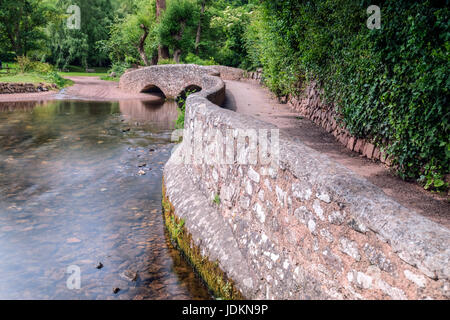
{"x":142,"y":44}
{"x":231,"y":22}
{"x":163,"y":51}
{"x":80,"y":47}
{"x":133,"y":37}
{"x":178,"y":26}
{"x":199,"y":27}
{"x":22,"y":23}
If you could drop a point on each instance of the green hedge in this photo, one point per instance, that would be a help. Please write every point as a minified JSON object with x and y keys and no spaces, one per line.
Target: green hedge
{"x":390,"y":84}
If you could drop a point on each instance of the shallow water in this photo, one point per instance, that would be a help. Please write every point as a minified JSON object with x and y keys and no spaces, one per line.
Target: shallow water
{"x":80,"y":183}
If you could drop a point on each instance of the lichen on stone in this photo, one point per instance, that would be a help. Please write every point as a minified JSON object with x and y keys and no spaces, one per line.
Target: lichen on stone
{"x":216,"y":280}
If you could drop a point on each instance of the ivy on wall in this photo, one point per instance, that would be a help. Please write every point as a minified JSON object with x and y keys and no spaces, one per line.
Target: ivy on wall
{"x":390,"y":84}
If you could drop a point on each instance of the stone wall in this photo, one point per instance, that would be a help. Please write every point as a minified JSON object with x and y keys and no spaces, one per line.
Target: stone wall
{"x":229,"y":73}
{"x":311,"y":229}
{"x":10,"y":88}
{"x":309,"y":105}
{"x":255,"y":75}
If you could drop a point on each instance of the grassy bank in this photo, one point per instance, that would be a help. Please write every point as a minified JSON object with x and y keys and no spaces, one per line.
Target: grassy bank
{"x":36,"y":78}
{"x":27,"y":77}
{"x":75,"y":71}
{"x":32,"y":72}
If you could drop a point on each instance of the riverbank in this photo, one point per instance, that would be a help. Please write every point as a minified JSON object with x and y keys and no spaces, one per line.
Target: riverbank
{"x":83,"y":88}
{"x":80,"y":184}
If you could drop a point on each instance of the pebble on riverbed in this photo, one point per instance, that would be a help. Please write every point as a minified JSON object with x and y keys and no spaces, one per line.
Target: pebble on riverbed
{"x":129,"y":275}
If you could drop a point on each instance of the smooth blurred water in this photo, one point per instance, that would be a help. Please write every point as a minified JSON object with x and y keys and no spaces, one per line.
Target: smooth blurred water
{"x":73,"y":192}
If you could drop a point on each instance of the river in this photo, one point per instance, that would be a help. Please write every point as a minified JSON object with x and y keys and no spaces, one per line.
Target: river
{"x":80,"y":196}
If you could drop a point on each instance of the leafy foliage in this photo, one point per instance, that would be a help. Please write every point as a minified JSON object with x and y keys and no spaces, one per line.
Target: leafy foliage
{"x":178,"y":26}
{"x":192,"y":58}
{"x":22,"y":24}
{"x":231,"y":23}
{"x":391,"y":85}
{"x":71,"y":46}
{"x":125,"y":33}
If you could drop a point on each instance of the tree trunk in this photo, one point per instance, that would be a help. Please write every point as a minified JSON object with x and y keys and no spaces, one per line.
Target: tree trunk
{"x":163,"y":51}
{"x":199,"y":28}
{"x":154,"y":59}
{"x":160,"y":7}
{"x":142,"y":44}
{"x":178,"y":37}
{"x":177,"y":55}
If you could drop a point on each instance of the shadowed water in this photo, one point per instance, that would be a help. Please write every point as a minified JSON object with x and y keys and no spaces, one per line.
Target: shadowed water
{"x":80,"y":184}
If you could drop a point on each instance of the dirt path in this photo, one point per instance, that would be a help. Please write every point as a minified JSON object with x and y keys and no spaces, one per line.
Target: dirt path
{"x":251,"y":99}
{"x":84,"y":88}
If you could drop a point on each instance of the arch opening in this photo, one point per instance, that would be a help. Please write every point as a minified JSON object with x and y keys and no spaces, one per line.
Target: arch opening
{"x":153,"y":90}
{"x":186,"y":92}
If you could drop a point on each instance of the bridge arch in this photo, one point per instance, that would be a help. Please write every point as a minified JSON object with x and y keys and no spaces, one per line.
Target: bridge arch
{"x":151,"y":88}
{"x":171,"y":80}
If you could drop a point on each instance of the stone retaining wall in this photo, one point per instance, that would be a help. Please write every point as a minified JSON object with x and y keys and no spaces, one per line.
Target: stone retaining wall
{"x":312,"y":107}
{"x":311,"y":229}
{"x":229,"y":73}
{"x":10,"y":88}
{"x":255,"y":75}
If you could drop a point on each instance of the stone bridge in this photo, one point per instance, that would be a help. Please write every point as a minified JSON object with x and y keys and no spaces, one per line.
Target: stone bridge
{"x":172,"y":80}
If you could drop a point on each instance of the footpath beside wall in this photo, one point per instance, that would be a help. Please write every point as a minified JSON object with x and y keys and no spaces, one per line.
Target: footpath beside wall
{"x":307,"y":229}
{"x":310,"y":106}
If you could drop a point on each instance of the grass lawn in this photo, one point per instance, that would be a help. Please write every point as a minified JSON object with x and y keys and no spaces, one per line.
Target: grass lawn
{"x":74,"y":71}
{"x":25,"y":78}
{"x":34,"y":78}
{"x":108,"y":78}
{"x":82,"y":74}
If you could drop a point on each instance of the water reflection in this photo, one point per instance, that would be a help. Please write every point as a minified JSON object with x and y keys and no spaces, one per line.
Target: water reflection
{"x":80,"y":183}
{"x":162,"y":115}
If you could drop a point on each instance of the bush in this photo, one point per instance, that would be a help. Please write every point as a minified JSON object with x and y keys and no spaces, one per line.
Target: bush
{"x":192,"y":58}
{"x":54,"y":77}
{"x":41,"y":67}
{"x":119,"y":68}
{"x":390,"y":85}
{"x":24,"y":64}
{"x":166,"y":61}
